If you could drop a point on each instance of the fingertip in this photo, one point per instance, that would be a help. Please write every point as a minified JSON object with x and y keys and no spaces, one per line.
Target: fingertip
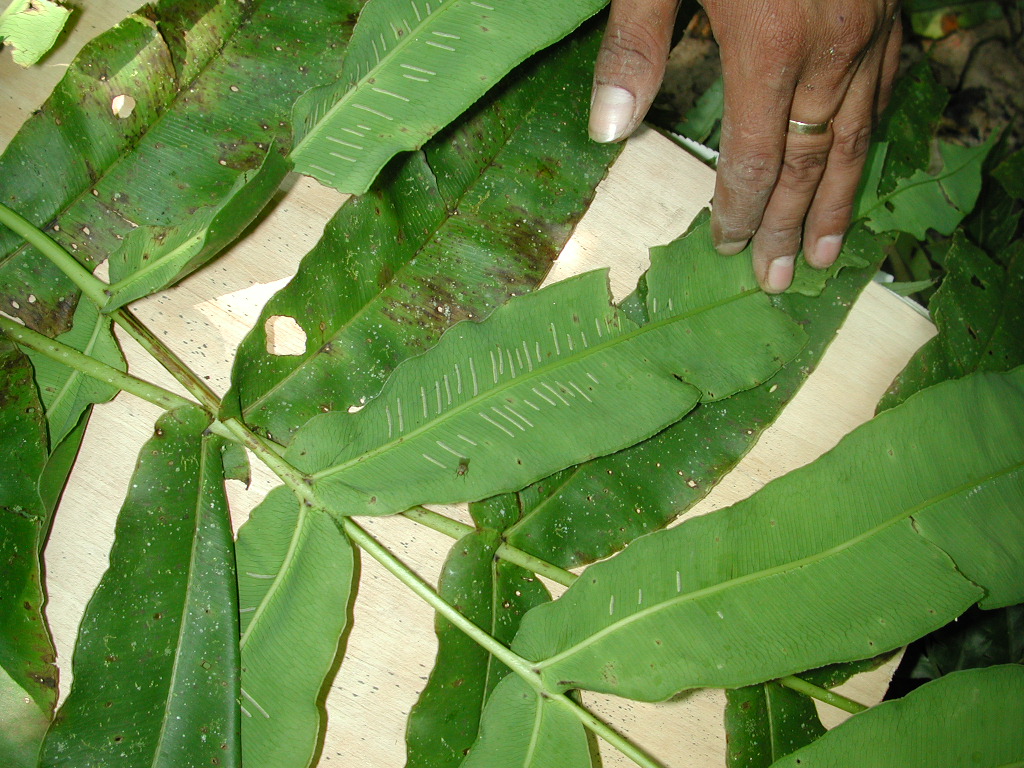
{"x":779,"y":274}
{"x":727,"y":244}
{"x":824,"y":251}
{"x":731,"y":249}
{"x":612,"y":111}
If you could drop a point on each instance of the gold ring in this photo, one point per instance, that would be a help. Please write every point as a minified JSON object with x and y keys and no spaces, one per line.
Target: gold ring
{"x":808,"y":129}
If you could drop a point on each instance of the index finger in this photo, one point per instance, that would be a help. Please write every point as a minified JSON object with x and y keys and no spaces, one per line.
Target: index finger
{"x":757,"y":105}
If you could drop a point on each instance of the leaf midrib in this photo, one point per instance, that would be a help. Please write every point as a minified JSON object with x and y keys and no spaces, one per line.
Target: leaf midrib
{"x":538,"y":720}
{"x":282,"y":572}
{"x":773,"y":745}
{"x":401,"y":44}
{"x":539,"y":507}
{"x":489,"y":669}
{"x":782,"y":568}
{"x":76,"y":375}
{"x":537,"y":373}
{"x":196,"y":518}
{"x":445,"y":220}
{"x":126,"y":284}
{"x":921,"y":178}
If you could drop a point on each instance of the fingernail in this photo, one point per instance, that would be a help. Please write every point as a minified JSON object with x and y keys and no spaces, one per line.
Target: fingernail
{"x":825,"y":251}
{"x":780,"y":274}
{"x":731,"y":249}
{"x":611,"y":112}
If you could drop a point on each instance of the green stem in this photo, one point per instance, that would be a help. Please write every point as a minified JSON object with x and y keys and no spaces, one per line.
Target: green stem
{"x":900,"y":249}
{"x":91,"y":285}
{"x":609,"y":734}
{"x":822,"y":694}
{"x":531,"y":563}
{"x":408,"y":577}
{"x":96,"y":290}
{"x":92,"y":367}
{"x":170,"y":361}
{"x":289,"y":475}
{"x":514,"y":661}
{"x":438,"y":522}
{"x":456,"y":530}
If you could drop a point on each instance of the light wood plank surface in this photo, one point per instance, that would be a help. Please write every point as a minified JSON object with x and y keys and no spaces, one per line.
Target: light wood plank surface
{"x":649,"y":197}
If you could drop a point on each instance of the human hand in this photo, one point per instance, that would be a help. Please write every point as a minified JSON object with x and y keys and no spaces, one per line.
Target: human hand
{"x":785,"y":64}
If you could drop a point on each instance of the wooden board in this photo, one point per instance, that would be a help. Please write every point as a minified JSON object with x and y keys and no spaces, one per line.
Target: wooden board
{"x":649,"y":197}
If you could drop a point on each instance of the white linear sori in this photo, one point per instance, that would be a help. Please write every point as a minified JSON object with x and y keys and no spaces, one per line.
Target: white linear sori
{"x":405,"y":37}
{"x":507,"y":364}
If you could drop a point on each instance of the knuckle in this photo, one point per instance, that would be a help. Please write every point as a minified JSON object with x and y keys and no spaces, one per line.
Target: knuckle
{"x":629,"y":48}
{"x":736,"y":231}
{"x":835,"y":216}
{"x":850,"y":145}
{"x":780,"y":237}
{"x":852,"y":28}
{"x":784,"y":40}
{"x":734,"y":223}
{"x":804,"y":168}
{"x":832,"y":210}
{"x":752,"y":174}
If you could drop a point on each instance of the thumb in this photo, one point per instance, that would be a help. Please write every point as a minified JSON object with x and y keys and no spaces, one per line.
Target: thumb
{"x":630,"y":65}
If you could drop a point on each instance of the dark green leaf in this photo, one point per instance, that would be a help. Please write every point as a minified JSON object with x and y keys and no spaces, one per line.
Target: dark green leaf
{"x":980,"y":318}
{"x":66,"y":391}
{"x":27,"y":655}
{"x":995,"y":221}
{"x":703,"y":123}
{"x":446,"y":235}
{"x":1010,"y":173}
{"x":976,"y":639}
{"x":967,"y":718}
{"x":296,"y":582}
{"x":832,"y":675}
{"x":213,"y":84}
{"x":908,"y":125}
{"x":411,"y":69}
{"x":236,"y":463}
{"x":494,"y":595}
{"x":153,"y":257}
{"x":522,"y":729}
{"x":765,"y":722}
{"x":894,"y":526}
{"x":593,"y":510}
{"x":496,"y":512}
{"x":540,"y":384}
{"x":28,"y":675}
{"x":156,"y":662}
{"x":69,"y":143}
{"x":58,"y":466}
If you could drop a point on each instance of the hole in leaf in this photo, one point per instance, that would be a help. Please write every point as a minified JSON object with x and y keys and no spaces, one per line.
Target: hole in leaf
{"x":284,"y":336}
{"x":122,"y":106}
